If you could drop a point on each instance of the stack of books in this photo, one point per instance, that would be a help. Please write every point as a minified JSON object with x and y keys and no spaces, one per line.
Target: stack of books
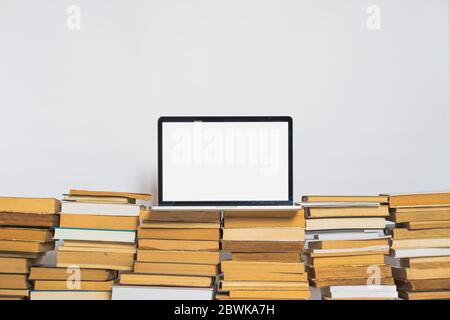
{"x":346,"y":246}
{"x":99,"y":232}
{"x":25,"y":236}
{"x":52,"y":283}
{"x":420,"y":248}
{"x":265,"y":262}
{"x":177,"y":258}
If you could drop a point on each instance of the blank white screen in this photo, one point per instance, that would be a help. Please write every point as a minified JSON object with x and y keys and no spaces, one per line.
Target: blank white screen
{"x":225,"y":161}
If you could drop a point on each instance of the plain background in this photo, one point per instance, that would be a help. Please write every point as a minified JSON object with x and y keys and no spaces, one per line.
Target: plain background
{"x":79,"y":108}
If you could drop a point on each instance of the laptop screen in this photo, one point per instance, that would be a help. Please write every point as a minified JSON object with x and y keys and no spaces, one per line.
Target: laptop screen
{"x":225,"y":160}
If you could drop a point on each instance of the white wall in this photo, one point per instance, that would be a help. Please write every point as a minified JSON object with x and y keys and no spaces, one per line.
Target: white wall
{"x":79,"y":108}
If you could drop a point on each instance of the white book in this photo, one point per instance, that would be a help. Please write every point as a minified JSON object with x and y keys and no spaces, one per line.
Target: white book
{"x":338,"y":204}
{"x":377,"y":288}
{"x":103,"y":209}
{"x":365,"y":294}
{"x":95,"y":235}
{"x":161,"y":293}
{"x":423,"y":252}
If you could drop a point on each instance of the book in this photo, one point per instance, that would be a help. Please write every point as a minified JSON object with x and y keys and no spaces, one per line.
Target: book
{"x":264,"y":276}
{"x":161,"y":293}
{"x":349,"y":271}
{"x":28,"y":219}
{"x":262,"y":246}
{"x":270,"y":295}
{"x":78,"y":221}
{"x":52,"y":285}
{"x":420,"y":274}
{"x":400,"y":217}
{"x":100,"y":199}
{"x":15,"y":265}
{"x":416,"y":225}
{"x":327,"y":282}
{"x":236,"y":266}
{"x":262,"y":285}
{"x":70,"y":295}
{"x":99,"y":244}
{"x":325,"y":198}
{"x":380,"y":211}
{"x":426,"y":295}
{"x":26,"y":234}
{"x":179,"y":225}
{"x":347,"y":244}
{"x":264,"y":234}
{"x":345,"y":223}
{"x":53,"y":273}
{"x":95,"y":260}
{"x":182,"y":245}
{"x":95,"y":235}
{"x":377,"y":259}
{"x":29,"y":205}
{"x":179,"y":234}
{"x":291,"y":257}
{"x":420,"y":262}
{"x":178,"y":256}
{"x":376,"y":291}
{"x":192,"y":216}
{"x":423,"y":285}
{"x":404,"y":233}
{"x":14,"y":281}
{"x":14,"y":293}
{"x":245,"y":222}
{"x":419,"y":199}
{"x":92,"y":193}
{"x":421,"y":243}
{"x":26,"y":246}
{"x":164,"y":280}
{"x":99,"y":209}
{"x":188,"y":269}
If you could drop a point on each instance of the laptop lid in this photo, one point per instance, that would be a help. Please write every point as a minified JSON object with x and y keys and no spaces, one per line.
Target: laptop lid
{"x":225,"y":161}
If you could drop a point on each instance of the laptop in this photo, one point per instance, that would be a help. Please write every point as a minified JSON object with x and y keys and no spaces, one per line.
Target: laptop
{"x":226,"y":163}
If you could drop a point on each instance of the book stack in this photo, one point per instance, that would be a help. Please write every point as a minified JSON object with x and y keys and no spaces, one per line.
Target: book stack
{"x":265,"y":261}
{"x":346,"y":247}
{"x":99,"y":231}
{"x":177,"y":257}
{"x":52,"y":283}
{"x":25,"y":236}
{"x":420,"y":248}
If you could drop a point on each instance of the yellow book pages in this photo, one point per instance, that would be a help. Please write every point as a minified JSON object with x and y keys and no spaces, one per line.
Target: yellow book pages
{"x":263,"y":285}
{"x":104,"y":250}
{"x":15,"y":265}
{"x":181,"y":245}
{"x":98,"y":222}
{"x":264,"y":234}
{"x":290,"y":257}
{"x":381,"y":211}
{"x":29,"y":220}
{"x":99,"y":244}
{"x":268,"y":222}
{"x":350,"y":272}
{"x":264,"y":214}
{"x":164,"y":280}
{"x":262,"y":246}
{"x":404,"y":233}
{"x":345,"y":260}
{"x":14,"y":281}
{"x":421,"y":243}
{"x":181,"y":216}
{"x":95,"y":260}
{"x":26,"y":246}
{"x":270,"y":294}
{"x":70,"y":295}
{"x":53,"y":273}
{"x":345,"y":223}
{"x":14,"y":293}
{"x":236,"y":266}
{"x":426,"y":295}
{"x":26,"y":234}
{"x":424,"y":285}
{"x":30,"y":205}
{"x":94,"y":199}
{"x":176,"y":268}
{"x":321,"y":283}
{"x":420,"y":274}
{"x":130,"y":195}
{"x":264,"y":276}
{"x":400,"y":217}
{"x":178,"y":256}
{"x":416,"y":225}
{"x":69,"y":285}
{"x":180,"y":234}
{"x":419,"y":199}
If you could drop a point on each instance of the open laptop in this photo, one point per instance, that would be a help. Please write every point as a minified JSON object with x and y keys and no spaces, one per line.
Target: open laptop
{"x":227,"y":163}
